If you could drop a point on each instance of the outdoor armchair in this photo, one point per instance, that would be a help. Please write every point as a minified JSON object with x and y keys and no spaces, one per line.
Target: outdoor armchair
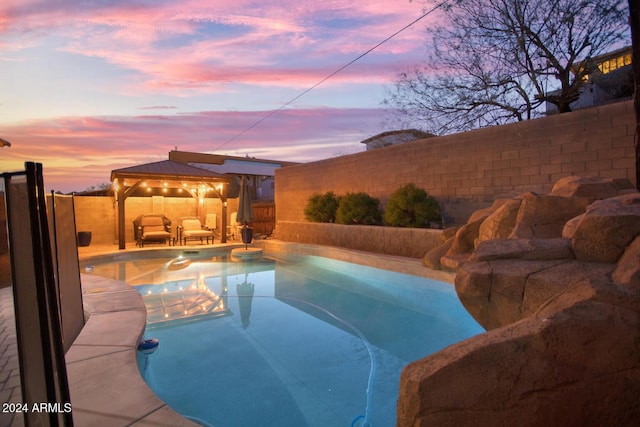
{"x":211,"y":222}
{"x":152,"y":228}
{"x":233,"y":229}
{"x":191,"y":228}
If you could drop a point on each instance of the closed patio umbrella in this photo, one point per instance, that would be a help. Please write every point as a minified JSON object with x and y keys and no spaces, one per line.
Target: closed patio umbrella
{"x":245,"y":211}
{"x":245,"y":297}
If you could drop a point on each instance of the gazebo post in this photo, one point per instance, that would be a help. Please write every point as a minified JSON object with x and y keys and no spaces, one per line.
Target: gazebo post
{"x":223,"y":199}
{"x":120,"y":201}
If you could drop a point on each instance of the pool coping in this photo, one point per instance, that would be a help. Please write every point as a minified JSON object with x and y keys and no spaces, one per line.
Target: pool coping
{"x":412,"y":266}
{"x":104,"y":380}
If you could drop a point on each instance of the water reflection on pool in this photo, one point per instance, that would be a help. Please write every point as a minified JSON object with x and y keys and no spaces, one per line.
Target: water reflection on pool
{"x":317,"y":342}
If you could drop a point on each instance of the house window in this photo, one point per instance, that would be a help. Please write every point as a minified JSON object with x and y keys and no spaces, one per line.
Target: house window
{"x":613,"y":64}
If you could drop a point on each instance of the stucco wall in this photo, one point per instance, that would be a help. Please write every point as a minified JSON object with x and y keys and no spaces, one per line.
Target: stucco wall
{"x":467,"y":171}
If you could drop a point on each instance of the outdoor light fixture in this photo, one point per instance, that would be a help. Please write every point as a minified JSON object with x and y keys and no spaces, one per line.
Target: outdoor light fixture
{"x":4,"y":143}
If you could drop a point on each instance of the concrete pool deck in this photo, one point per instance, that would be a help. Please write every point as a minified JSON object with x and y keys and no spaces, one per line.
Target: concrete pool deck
{"x":105,"y":384}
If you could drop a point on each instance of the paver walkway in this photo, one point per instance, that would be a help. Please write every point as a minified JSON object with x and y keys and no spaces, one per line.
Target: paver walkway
{"x":9,"y":366}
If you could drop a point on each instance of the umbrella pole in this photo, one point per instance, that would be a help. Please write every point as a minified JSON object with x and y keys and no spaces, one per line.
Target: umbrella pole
{"x":244,"y":236}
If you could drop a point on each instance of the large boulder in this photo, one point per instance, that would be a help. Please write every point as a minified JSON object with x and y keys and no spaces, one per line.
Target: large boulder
{"x":627,"y":271}
{"x":544,"y":217}
{"x":528,"y":249}
{"x":500,"y":223}
{"x":571,"y":365}
{"x":560,"y":299}
{"x":606,"y":228}
{"x":498,"y":293}
{"x":569,"y":229}
{"x":463,"y":242}
{"x":593,"y":188}
{"x":433,"y":257}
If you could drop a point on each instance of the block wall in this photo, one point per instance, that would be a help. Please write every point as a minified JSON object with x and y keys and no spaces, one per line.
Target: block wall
{"x":98,"y":214}
{"x":467,"y":171}
{"x":405,"y":242}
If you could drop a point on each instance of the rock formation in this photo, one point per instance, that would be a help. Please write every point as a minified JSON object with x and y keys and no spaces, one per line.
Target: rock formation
{"x":555,"y":280}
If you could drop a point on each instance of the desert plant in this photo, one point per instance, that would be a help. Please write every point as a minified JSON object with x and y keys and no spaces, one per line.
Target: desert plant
{"x":358,"y":208}
{"x":322,"y":207}
{"x":410,"y":206}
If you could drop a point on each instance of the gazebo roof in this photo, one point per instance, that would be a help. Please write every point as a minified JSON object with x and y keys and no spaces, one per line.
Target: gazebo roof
{"x":167,"y":170}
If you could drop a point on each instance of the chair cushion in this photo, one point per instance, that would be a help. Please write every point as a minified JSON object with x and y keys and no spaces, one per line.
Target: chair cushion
{"x":147,"y":221}
{"x":156,"y":235}
{"x":197,"y":233}
{"x":153,"y":228}
{"x":191,"y":224}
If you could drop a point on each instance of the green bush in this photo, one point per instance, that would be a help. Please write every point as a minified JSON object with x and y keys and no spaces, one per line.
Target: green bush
{"x":410,"y":206}
{"x":322,"y":207}
{"x":358,"y":208}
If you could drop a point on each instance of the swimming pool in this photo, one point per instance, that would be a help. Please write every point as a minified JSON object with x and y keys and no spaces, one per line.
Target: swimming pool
{"x":317,"y":342}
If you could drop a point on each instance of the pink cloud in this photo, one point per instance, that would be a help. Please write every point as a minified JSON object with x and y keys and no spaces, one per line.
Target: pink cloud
{"x":170,"y":55}
{"x":268,"y":39}
{"x":79,"y":152}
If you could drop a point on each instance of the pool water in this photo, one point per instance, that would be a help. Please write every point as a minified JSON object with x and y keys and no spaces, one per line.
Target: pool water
{"x":316,"y":342}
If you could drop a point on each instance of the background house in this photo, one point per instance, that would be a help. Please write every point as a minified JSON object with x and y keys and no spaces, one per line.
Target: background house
{"x":611,"y":80}
{"x":261,"y":172}
{"x":393,"y":137}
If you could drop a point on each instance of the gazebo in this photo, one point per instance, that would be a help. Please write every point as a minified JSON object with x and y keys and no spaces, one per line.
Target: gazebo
{"x":165,"y":176}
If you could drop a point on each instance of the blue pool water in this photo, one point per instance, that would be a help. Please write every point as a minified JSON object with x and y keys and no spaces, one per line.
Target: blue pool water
{"x":317,"y":342}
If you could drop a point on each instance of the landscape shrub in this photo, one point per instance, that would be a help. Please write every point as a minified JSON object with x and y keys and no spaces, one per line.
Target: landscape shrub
{"x":358,"y":208}
{"x":410,"y":206}
{"x":322,"y":207}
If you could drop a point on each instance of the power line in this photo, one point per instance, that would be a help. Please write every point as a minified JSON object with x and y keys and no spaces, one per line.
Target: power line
{"x":300,"y":95}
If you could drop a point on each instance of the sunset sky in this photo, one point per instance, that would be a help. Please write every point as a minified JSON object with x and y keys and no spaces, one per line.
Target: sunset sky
{"x":91,"y":86}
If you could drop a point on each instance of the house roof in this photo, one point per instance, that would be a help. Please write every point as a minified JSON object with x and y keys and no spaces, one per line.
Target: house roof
{"x":397,"y":136}
{"x":187,"y":157}
{"x":224,"y":164}
{"x":167,"y":170}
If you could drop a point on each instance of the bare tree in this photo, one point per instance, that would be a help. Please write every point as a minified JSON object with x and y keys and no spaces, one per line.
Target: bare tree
{"x":499,"y":61}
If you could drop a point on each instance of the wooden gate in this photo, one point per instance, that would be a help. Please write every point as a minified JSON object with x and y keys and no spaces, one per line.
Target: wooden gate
{"x":264,"y":217}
